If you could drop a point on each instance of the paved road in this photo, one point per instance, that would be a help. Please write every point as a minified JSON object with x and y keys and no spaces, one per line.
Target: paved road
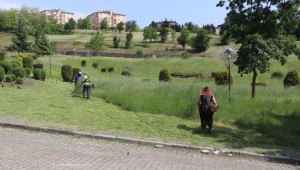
{"x":25,"y":150}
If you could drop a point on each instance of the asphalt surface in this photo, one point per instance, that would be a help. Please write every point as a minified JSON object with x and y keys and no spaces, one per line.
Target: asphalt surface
{"x":34,"y":150}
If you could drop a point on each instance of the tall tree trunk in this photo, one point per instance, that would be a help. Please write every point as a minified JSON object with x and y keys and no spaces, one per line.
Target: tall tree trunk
{"x":254,"y":82}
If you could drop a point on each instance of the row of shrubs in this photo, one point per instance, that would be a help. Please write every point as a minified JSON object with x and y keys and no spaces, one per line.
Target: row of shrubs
{"x":224,"y":78}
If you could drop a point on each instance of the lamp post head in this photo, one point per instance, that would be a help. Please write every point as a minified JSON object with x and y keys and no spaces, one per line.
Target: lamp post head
{"x":228,"y":50}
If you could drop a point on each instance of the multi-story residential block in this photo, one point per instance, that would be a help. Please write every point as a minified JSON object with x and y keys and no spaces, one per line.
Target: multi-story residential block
{"x":62,"y":16}
{"x":112,"y":18}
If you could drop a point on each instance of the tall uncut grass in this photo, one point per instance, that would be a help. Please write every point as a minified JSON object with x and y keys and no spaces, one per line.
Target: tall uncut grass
{"x":274,"y":111}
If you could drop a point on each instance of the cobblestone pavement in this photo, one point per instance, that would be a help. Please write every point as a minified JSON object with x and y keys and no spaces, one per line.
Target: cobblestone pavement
{"x":26,"y":150}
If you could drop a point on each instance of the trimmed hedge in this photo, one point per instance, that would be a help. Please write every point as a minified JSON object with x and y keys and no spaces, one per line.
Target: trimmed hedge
{"x":291,"y":79}
{"x":6,"y":65}
{"x":27,"y":62}
{"x":67,"y":73}
{"x":19,"y":72}
{"x":2,"y":74}
{"x":2,"y":55}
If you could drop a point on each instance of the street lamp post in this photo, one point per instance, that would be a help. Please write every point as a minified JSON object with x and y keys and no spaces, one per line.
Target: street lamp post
{"x":74,"y":52}
{"x":229,"y":52}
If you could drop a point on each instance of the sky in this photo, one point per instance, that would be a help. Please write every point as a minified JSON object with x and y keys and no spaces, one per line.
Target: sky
{"x":200,"y":12}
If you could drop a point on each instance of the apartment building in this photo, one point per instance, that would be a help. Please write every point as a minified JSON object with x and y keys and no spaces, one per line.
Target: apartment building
{"x":62,"y":16}
{"x":112,"y":18}
{"x":172,"y":24}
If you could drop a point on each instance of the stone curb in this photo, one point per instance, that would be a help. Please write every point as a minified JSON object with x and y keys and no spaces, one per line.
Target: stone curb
{"x":224,"y":152}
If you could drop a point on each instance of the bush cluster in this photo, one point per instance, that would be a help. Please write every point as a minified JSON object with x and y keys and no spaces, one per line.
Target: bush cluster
{"x":28,"y":62}
{"x":277,"y":75}
{"x":124,"y":73}
{"x":15,"y":64}
{"x":8,"y":78}
{"x":20,"y":56}
{"x":67,"y":73}
{"x":291,"y":79}
{"x":2,"y":55}
{"x":75,"y":71}
{"x":2,"y":73}
{"x":221,"y":78}
{"x":139,"y":53}
{"x":19,"y":72}
{"x":43,"y":74}
{"x":110,"y":69}
{"x":37,"y":75}
{"x":103,"y":70}
{"x":13,"y":77}
{"x":27,"y":72}
{"x":185,"y":55}
{"x":95,"y":65}
{"x":83,"y":63}
{"x":6,"y":65}
{"x":165,"y":75}
{"x":19,"y":80}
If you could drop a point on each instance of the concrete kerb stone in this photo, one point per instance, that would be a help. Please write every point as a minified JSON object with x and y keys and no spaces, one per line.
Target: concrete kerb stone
{"x":82,"y":134}
{"x":224,"y":152}
{"x":104,"y":137}
{"x":129,"y":140}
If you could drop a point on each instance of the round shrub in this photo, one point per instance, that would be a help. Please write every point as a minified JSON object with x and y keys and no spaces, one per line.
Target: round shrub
{"x":139,"y":53}
{"x":221,"y":78}
{"x":19,"y":80}
{"x":27,"y":71}
{"x":37,"y":74}
{"x":185,"y":55}
{"x":27,"y":62}
{"x":95,"y":65}
{"x":13,"y":77}
{"x":291,"y":78}
{"x":15,"y":64}
{"x":2,"y":55}
{"x":2,"y":73}
{"x":110,"y":69}
{"x":277,"y":75}
{"x":21,"y":56}
{"x":124,"y":73}
{"x":6,"y":65}
{"x":8,"y":78}
{"x":18,"y":72}
{"x":67,"y":73}
{"x":83,"y":63}
{"x":43,"y":74}
{"x":75,"y":71}
{"x":103,"y":70}
{"x":165,"y":75}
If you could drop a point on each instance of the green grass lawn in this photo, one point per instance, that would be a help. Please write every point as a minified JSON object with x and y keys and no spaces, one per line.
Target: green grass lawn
{"x":152,"y":110}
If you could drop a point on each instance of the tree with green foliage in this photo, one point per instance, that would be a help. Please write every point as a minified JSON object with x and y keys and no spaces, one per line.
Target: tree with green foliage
{"x":97,"y":42}
{"x":7,"y":19}
{"x":120,"y":27}
{"x":104,"y":25}
{"x":85,"y":23}
{"x":200,"y":43}
{"x":128,"y":43}
{"x":191,"y":27}
{"x":70,"y":25}
{"x":150,"y":33}
{"x":262,"y":29}
{"x":41,"y":46}
{"x":153,"y":24}
{"x":131,"y":26}
{"x":184,"y":38}
{"x":163,"y":33}
{"x":116,"y":41}
{"x":173,"y":35}
{"x":19,"y":39}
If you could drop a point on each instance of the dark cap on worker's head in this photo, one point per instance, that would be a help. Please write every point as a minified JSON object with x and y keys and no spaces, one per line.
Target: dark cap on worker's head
{"x":206,"y":87}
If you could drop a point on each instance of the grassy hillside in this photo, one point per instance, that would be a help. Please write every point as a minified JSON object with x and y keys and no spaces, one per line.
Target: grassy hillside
{"x":163,"y":111}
